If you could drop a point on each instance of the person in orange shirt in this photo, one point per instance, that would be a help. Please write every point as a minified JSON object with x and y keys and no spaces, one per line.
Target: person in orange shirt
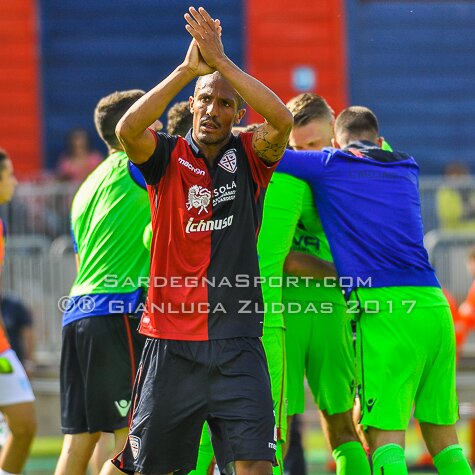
{"x":467,"y":315}
{"x":467,"y":308}
{"x":461,"y":324}
{"x":16,"y":395}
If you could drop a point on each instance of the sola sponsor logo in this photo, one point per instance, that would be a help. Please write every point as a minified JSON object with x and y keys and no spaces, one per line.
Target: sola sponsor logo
{"x":224,"y":193}
{"x":229,"y":161}
{"x":224,"y":189}
{"x":211,"y":225}
{"x":188,"y":165}
{"x":198,"y":197}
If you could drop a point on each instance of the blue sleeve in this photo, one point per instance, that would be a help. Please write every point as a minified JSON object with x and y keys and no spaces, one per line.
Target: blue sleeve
{"x":136,"y":175}
{"x":305,"y":165}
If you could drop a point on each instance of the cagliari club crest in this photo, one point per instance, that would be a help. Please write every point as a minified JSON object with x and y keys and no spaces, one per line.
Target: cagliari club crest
{"x":135,"y":445}
{"x":229,"y":161}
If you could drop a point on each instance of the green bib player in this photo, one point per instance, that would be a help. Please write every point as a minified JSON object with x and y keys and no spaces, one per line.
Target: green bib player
{"x":100,"y":345}
{"x":319,"y":340}
{"x":286,"y":199}
{"x":369,"y":205}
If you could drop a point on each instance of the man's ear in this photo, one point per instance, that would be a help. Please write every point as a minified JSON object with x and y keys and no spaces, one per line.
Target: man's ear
{"x":239,"y":116}
{"x":191,"y":101}
{"x":380,"y":142}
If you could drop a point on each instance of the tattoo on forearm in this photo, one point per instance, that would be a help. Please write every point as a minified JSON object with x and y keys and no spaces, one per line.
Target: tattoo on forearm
{"x":265,"y":149}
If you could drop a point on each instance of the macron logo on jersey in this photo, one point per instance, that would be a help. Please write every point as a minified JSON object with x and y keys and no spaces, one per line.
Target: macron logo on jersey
{"x":212,"y":225}
{"x":188,"y":165}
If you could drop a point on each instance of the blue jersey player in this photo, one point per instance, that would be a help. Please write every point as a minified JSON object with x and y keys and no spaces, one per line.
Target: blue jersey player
{"x":369,"y":205}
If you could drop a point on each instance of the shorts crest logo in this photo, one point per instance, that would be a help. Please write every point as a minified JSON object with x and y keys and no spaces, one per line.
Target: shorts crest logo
{"x":198,"y":197}
{"x":229,"y":161}
{"x":135,"y":443}
{"x":370,"y":404}
{"x":123,"y":407}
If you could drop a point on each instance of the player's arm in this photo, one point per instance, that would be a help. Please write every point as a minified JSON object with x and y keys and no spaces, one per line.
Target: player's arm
{"x":270,"y":140}
{"x":305,"y":265}
{"x":305,"y":165}
{"x":28,"y":340}
{"x":283,"y":208}
{"x":132,"y":130}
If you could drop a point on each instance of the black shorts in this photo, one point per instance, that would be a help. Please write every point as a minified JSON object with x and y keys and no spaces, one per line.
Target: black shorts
{"x":98,"y":367}
{"x":182,"y":384}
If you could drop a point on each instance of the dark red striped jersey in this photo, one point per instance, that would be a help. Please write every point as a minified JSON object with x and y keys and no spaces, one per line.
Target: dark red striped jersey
{"x":204,"y":269}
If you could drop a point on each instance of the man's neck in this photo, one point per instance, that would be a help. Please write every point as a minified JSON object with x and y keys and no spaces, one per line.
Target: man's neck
{"x":210,"y":151}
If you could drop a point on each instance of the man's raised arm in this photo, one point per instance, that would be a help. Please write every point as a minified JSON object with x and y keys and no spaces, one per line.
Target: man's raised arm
{"x":271,"y":138}
{"x":132,"y":130}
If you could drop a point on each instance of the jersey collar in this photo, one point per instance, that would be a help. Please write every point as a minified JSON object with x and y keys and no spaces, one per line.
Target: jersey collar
{"x":196,"y":150}
{"x":361,"y":145}
{"x":368,"y":149}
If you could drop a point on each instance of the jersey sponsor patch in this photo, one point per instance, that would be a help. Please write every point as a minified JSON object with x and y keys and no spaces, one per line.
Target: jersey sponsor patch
{"x":229,"y":161}
{"x":224,"y":193}
{"x":135,"y":444}
{"x":211,"y":225}
{"x":198,"y":197}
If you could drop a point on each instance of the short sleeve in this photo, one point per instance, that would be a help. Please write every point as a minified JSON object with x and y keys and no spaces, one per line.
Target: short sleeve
{"x":261,"y":172}
{"x":154,"y":168}
{"x":136,"y":175}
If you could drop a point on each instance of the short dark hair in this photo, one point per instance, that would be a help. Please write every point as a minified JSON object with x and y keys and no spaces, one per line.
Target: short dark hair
{"x":109,"y":111}
{"x":309,"y":106}
{"x":239,"y":100}
{"x":3,"y":158}
{"x":356,"y":121}
{"x":179,"y":119}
